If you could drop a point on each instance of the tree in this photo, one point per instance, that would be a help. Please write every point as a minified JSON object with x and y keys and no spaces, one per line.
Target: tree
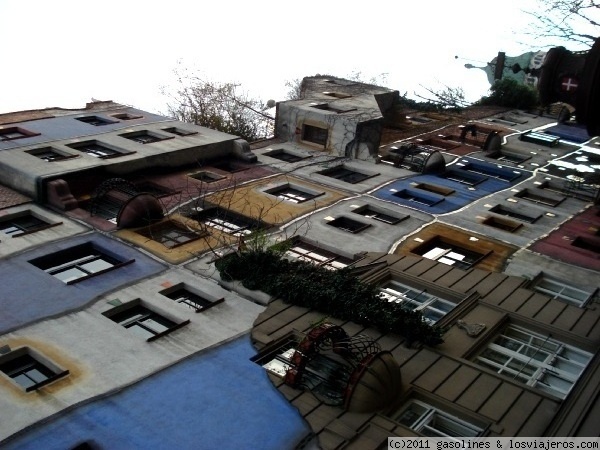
{"x":222,"y":106}
{"x":576,"y":21}
{"x":445,"y":98}
{"x":512,"y":94}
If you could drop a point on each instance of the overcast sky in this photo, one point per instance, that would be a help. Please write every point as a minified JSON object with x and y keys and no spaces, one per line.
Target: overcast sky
{"x":64,"y":52}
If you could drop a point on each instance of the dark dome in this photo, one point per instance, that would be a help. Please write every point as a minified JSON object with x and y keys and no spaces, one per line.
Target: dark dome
{"x":140,"y":210}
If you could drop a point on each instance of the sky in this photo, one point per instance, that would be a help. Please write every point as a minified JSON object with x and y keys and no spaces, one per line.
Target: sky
{"x":63,"y":53}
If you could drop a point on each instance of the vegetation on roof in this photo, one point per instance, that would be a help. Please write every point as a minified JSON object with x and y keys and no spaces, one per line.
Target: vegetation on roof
{"x":337,"y":293}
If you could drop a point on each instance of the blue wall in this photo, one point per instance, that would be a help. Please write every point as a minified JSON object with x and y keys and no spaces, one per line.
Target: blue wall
{"x":29,"y":294}
{"x":214,"y":400}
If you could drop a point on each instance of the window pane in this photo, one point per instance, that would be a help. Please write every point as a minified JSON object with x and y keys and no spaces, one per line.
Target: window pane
{"x":96,"y":265}
{"x":70,"y":275}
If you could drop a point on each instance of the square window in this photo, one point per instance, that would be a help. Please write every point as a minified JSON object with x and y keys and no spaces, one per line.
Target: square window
{"x":292,"y":193}
{"x":380,"y":214}
{"x":533,"y":196}
{"x":428,"y":420}
{"x":78,"y":263}
{"x":432,"y":307}
{"x":560,"y":290}
{"x":95,"y":120}
{"x":28,"y":369}
{"x":277,"y":358}
{"x":206,"y":176}
{"x":449,"y":253}
{"x":536,"y":360}
{"x":143,"y":137}
{"x":143,"y":321}
{"x":49,"y":154}
{"x":304,"y":251}
{"x":284,"y":155}
{"x":509,"y":212}
{"x":314,"y":134}
{"x":22,"y":223}
{"x":186,"y":296}
{"x":348,"y":224}
{"x":171,"y":234}
{"x":179,"y":131}
{"x":126,"y":116}
{"x":347,"y":175}
{"x":10,"y":133}
{"x":97,"y":150}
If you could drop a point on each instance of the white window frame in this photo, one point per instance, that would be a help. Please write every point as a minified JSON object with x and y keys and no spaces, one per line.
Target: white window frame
{"x":536,"y":360}
{"x":560,"y":290}
{"x":434,"y":422}
{"x":417,"y":300}
{"x":331,"y":261}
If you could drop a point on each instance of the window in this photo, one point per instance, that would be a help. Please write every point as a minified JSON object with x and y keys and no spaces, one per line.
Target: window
{"x":536,"y":360}
{"x":292,"y":194}
{"x":587,"y":244}
{"x":182,"y":294}
{"x":78,"y":263}
{"x":498,"y":173}
{"x":179,"y":131}
{"x":227,"y":221}
{"x":420,"y":198}
{"x":433,"y":308}
{"x":317,"y":256}
{"x":449,"y":253}
{"x":347,"y":224}
{"x":171,"y":234}
{"x":143,"y":321}
{"x":28,"y":370}
{"x":347,"y":175}
{"x":562,"y":291}
{"x":143,"y":137}
{"x":10,"y":133}
{"x":206,"y":177}
{"x":314,"y":134}
{"x":49,"y":154}
{"x":514,"y":158}
{"x":509,"y":212}
{"x":428,"y":420}
{"x":502,"y":224}
{"x":464,"y":177}
{"x":95,"y":120}
{"x":97,"y":150}
{"x":382,"y":215}
{"x":337,"y":94}
{"x":544,"y":139}
{"x":535,"y":197}
{"x":333,"y":108}
{"x":285,"y":156}
{"x":126,"y":116}
{"x":435,"y":189}
{"x":277,"y":361}
{"x":22,"y":223}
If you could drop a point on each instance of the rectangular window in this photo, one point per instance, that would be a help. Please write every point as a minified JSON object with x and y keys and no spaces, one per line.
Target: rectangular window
{"x":126,"y":116}
{"x":171,"y":234}
{"x":10,"y":133}
{"x":562,"y":291}
{"x":143,"y":137}
{"x":346,"y":175}
{"x":420,"y":198}
{"x":226,"y":221}
{"x":97,"y":150}
{"x":284,"y":155}
{"x":536,"y":360}
{"x":206,"y":177}
{"x":78,"y":263}
{"x":498,"y":173}
{"x":382,"y":215}
{"x":95,"y":120}
{"x":442,"y":190}
{"x":536,"y":137}
{"x":514,"y":158}
{"x":587,"y":244}
{"x":430,"y":421}
{"x":502,"y":224}
{"x":49,"y":154}
{"x":304,"y":251}
{"x":182,"y":294}
{"x":349,"y":225}
{"x":509,"y":212}
{"x":22,"y":223}
{"x":314,"y":134}
{"x":179,"y":131}
{"x":144,"y":322}
{"x":293,"y":194}
{"x":449,"y":253}
{"x":433,"y":308}
{"x":464,"y":177}
{"x":277,"y":360}
{"x":535,"y":197}
{"x":26,"y":369}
